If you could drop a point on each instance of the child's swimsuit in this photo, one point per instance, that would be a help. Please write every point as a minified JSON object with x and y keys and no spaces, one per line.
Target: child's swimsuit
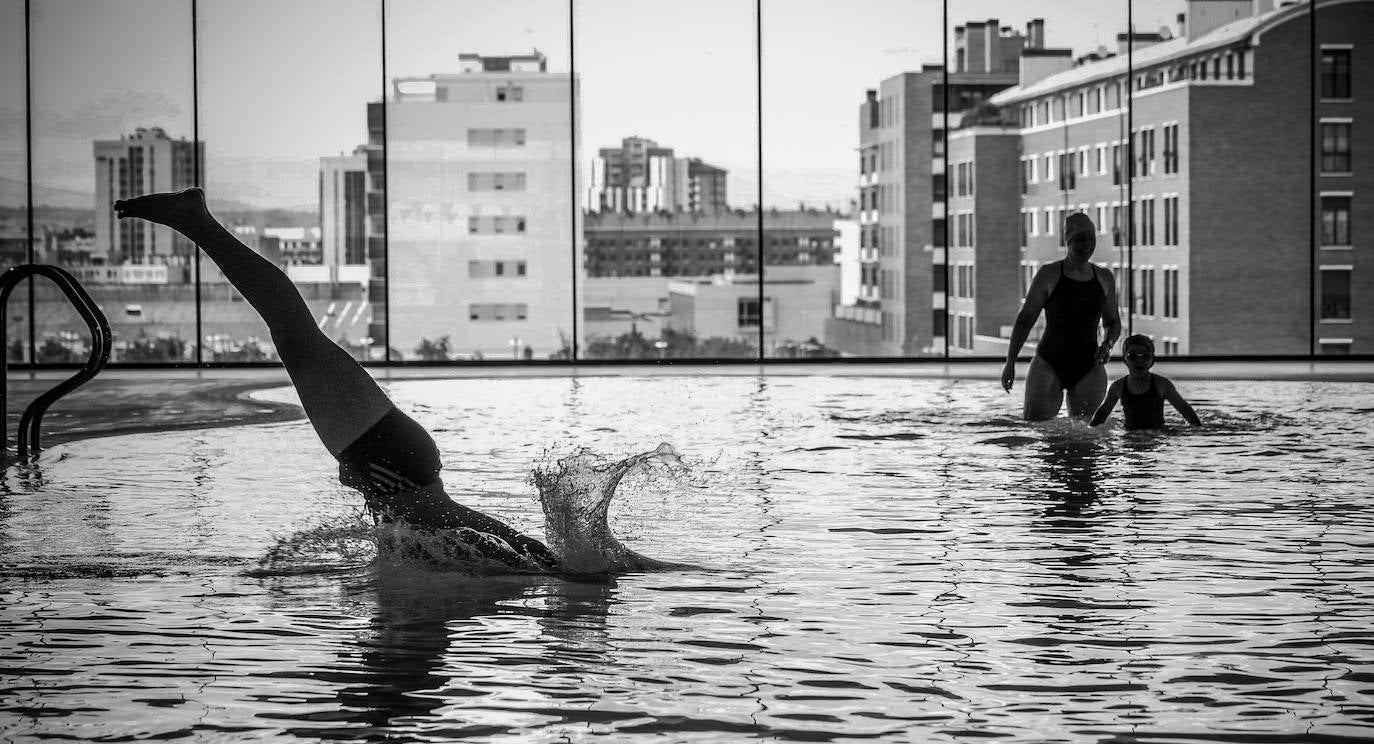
{"x":1142,"y":410}
{"x":1072,"y":315}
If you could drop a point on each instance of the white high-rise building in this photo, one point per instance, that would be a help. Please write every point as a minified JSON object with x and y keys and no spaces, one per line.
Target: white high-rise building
{"x":483,"y":234}
{"x":142,"y":163}
{"x":343,"y":216}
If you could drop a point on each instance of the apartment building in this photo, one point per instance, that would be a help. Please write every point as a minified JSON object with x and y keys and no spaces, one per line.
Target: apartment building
{"x":476,"y":179}
{"x":1196,"y":164}
{"x":642,"y":176}
{"x":343,"y":214}
{"x":146,"y":161}
{"x":901,"y":307}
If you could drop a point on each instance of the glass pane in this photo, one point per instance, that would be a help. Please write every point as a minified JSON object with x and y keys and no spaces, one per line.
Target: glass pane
{"x":112,"y":117}
{"x":285,"y":139}
{"x":1035,"y":109}
{"x":849,"y":157}
{"x":14,"y":216}
{"x":1197,"y":174}
{"x":479,"y":180}
{"x":670,"y":175}
{"x":1345,"y":283}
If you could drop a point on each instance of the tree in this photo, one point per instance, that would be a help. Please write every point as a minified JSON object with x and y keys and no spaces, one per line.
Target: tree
{"x":53,"y":351}
{"x":434,"y":351}
{"x":144,"y":349}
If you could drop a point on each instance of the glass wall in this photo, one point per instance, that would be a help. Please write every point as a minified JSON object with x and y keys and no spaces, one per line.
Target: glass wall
{"x":669,"y":179}
{"x":1035,"y":110}
{"x":14,"y":216}
{"x":284,"y":135}
{"x":113,"y":116}
{"x":1195,"y":236}
{"x":479,"y":181}
{"x":848,"y":166}
{"x":446,"y":180}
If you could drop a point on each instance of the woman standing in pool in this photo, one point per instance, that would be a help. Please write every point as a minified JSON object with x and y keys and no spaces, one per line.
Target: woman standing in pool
{"x":1076,"y":295}
{"x":382,"y":452}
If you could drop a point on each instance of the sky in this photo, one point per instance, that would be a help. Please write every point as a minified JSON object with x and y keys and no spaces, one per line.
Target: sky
{"x":284,"y":82}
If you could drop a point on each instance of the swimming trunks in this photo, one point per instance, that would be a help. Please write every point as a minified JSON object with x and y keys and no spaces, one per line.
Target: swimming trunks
{"x":1144,"y":410}
{"x":395,"y":456}
{"x":1072,"y":314}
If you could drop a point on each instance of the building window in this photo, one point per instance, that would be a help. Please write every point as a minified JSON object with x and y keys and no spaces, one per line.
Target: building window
{"x":1147,"y":221}
{"x":1116,"y":165}
{"x":1335,"y":293}
{"x":1171,"y":293}
{"x":1170,"y":148}
{"x":1335,"y":73}
{"x":1335,"y":346}
{"x":1146,"y":153}
{"x":495,"y":311}
{"x":1145,"y":286}
{"x":1171,"y":220}
{"x":496,"y":182}
{"x":748,"y":315}
{"x":1335,"y":146}
{"x":510,"y":93}
{"x":1335,"y":221}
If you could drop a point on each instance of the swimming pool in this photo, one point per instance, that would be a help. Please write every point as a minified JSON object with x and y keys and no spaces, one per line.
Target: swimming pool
{"x":875,"y":558}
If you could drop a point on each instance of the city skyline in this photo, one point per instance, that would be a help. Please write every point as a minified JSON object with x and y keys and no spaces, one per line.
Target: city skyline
{"x":264,"y":140}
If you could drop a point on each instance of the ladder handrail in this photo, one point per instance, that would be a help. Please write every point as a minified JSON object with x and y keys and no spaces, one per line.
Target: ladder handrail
{"x":27,"y":438}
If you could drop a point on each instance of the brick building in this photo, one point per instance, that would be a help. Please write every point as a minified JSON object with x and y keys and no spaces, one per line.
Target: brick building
{"x":1198,"y":172}
{"x":901,"y":305}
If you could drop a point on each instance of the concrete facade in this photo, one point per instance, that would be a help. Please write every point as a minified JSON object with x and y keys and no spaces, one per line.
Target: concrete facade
{"x":482,"y":230}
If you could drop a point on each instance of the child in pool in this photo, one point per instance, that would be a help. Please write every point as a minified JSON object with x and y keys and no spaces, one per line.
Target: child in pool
{"x":1141,"y":392}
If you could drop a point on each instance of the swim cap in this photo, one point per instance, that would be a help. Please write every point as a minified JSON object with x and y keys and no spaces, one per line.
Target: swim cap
{"x":1138,"y":339}
{"x":1076,"y":223}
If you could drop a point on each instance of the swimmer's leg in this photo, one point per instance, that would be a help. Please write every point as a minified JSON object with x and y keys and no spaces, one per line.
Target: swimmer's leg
{"x":1044,"y":396}
{"x":1089,"y":393}
{"x":340,"y":398}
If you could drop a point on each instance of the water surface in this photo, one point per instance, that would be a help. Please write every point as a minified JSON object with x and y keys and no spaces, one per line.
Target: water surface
{"x":874,"y":559}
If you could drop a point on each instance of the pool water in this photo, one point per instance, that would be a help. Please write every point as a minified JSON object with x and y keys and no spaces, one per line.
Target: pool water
{"x":871,"y":558}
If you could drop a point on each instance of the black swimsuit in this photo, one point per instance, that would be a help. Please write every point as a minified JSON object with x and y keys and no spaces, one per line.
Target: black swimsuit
{"x":1072,"y":314}
{"x":1142,"y":410}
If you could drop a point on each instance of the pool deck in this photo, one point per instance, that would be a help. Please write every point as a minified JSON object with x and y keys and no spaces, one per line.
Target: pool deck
{"x":127,"y":400}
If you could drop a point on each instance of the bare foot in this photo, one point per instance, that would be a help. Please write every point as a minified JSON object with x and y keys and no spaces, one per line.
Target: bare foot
{"x":182,"y":211}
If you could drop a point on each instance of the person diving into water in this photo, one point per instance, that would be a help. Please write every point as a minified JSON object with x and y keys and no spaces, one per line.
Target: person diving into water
{"x":1075,"y":295}
{"x":382,"y":452}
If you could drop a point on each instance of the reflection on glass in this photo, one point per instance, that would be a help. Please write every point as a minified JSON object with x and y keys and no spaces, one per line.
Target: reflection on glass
{"x":1037,"y":108}
{"x":478,"y":181}
{"x":284,"y":136}
{"x":670,"y":180}
{"x":14,"y":217}
{"x":112,"y":117}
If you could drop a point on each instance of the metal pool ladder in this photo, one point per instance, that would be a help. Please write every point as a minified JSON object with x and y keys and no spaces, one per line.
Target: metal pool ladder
{"x":27,"y":438}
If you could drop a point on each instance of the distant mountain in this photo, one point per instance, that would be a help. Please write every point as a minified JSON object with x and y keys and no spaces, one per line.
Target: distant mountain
{"x":14,"y":193}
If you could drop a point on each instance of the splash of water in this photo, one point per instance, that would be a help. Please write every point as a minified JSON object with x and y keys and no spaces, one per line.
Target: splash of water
{"x":576,"y":494}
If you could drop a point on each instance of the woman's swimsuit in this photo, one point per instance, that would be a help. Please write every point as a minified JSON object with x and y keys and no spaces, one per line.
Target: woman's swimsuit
{"x":394,"y":458}
{"x":393,"y":464}
{"x":1072,"y":314}
{"x":1143,"y":410}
